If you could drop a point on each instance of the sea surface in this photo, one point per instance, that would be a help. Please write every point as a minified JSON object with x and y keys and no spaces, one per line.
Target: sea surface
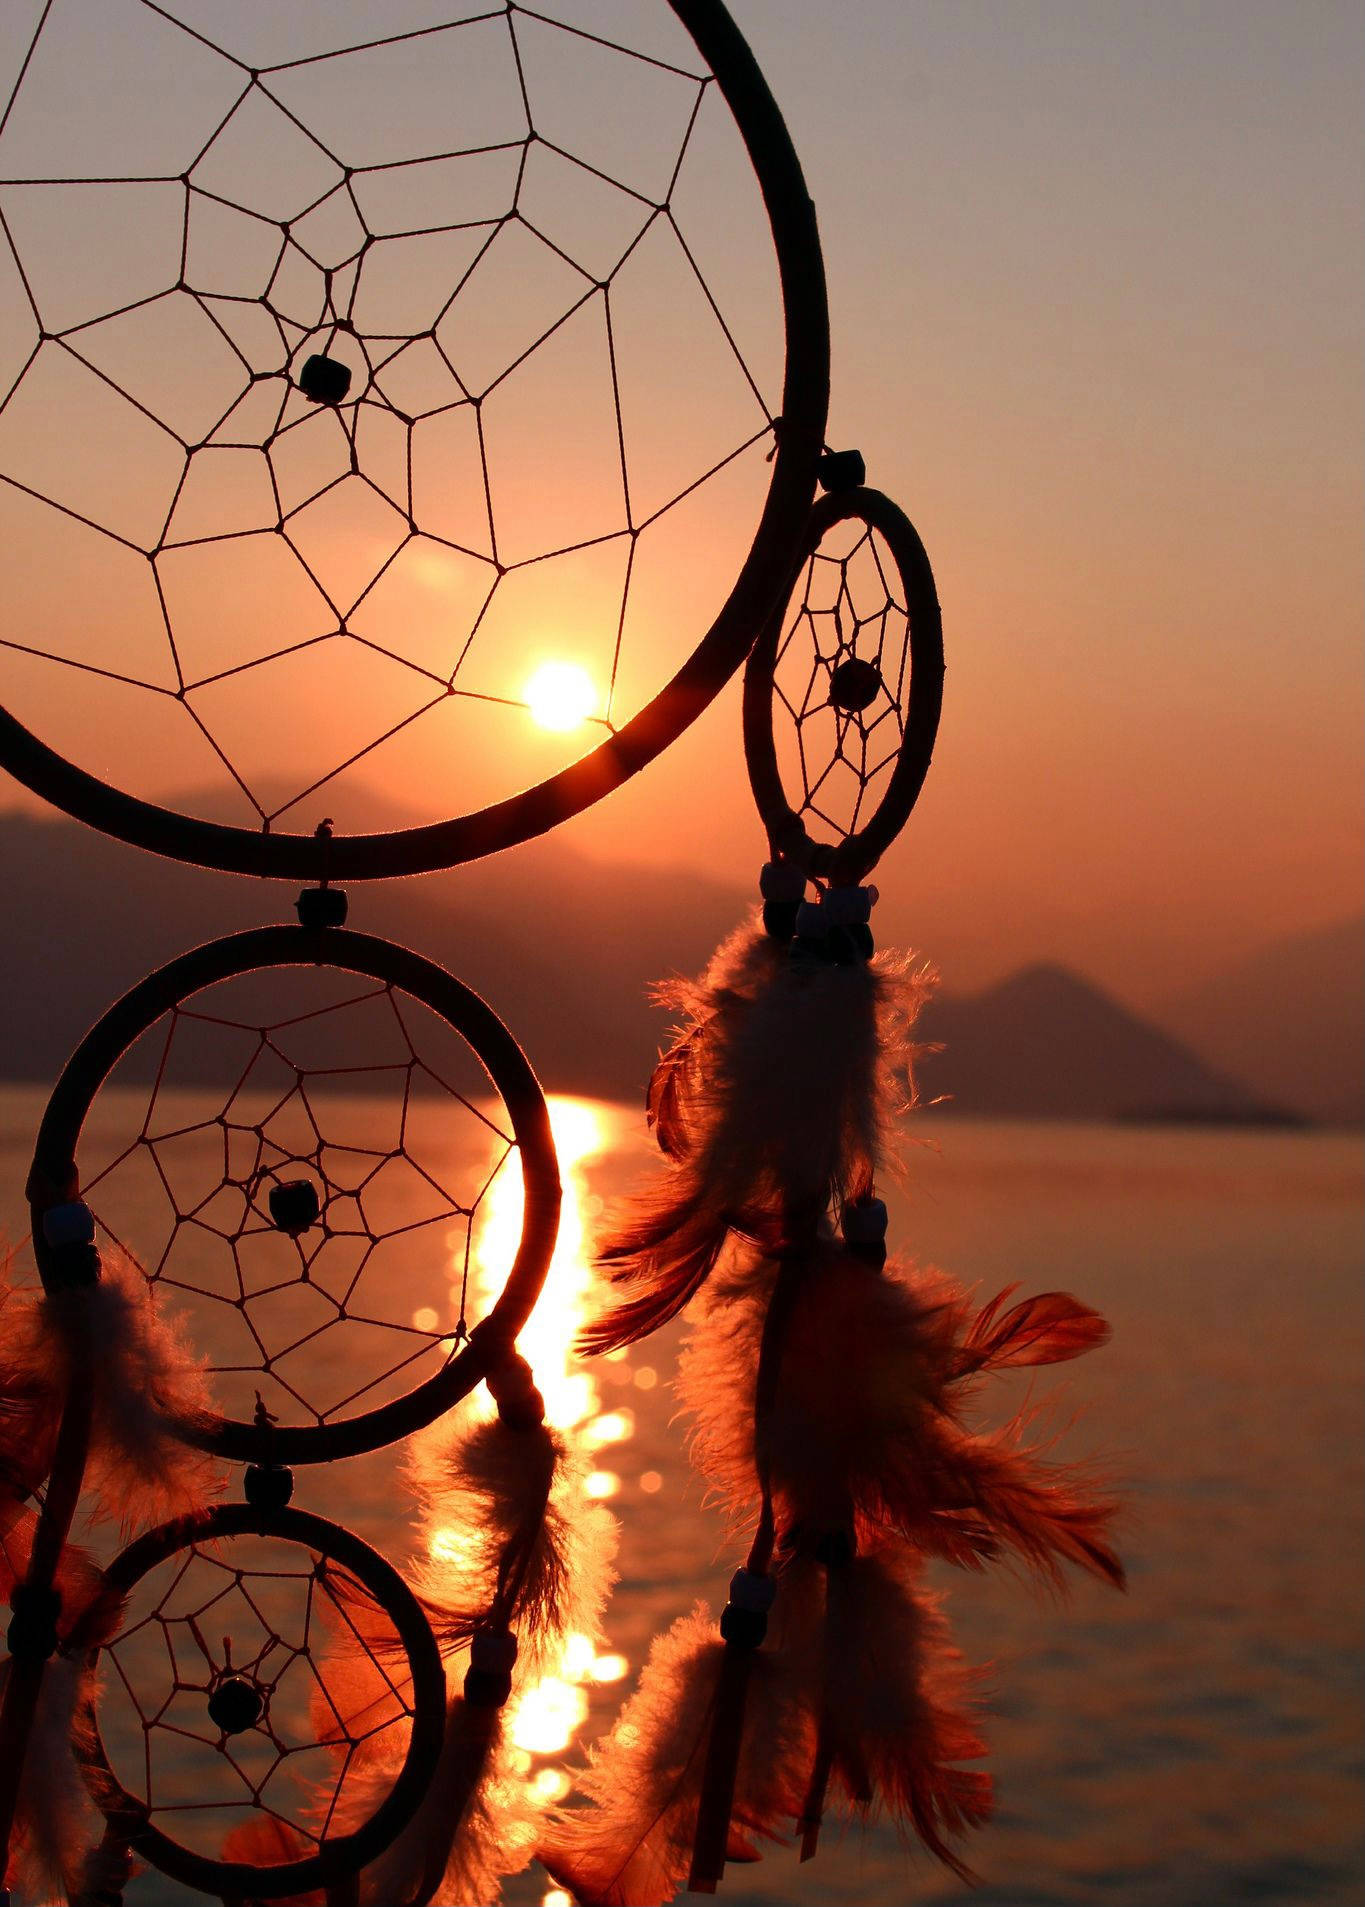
{"x":1195,"y":1742}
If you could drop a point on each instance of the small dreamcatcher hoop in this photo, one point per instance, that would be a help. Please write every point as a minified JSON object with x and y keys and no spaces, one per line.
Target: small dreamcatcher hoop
{"x":288,"y":1217}
{"x":853,"y":663}
{"x":318,"y":354}
{"x":253,"y":1708}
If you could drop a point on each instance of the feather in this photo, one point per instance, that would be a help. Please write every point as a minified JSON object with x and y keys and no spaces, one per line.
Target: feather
{"x":897,"y":1705}
{"x":788,"y":1100}
{"x":1047,"y":1329}
{"x":968,"y":1495}
{"x":30,"y":1408}
{"x":149,"y":1392}
{"x":670,"y":1090}
{"x":505,"y":1507}
{"x":55,"y":1818}
{"x":632,"y":1846}
{"x":871,"y":1387}
{"x":77,"y":1578}
{"x":509,"y":1539}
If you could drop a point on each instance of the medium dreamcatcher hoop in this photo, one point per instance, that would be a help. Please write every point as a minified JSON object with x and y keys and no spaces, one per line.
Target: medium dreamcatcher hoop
{"x":259,"y":358}
{"x":251,"y":1715}
{"x":853,"y":666}
{"x":261,"y":1182}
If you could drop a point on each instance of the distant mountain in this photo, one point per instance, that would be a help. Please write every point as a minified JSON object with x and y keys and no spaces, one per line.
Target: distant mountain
{"x":1047,"y":1044}
{"x":564,"y":948}
{"x":561,"y":946}
{"x":1290,"y":1020}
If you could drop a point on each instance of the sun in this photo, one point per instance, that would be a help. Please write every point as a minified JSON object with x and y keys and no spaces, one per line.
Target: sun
{"x":560,"y":695}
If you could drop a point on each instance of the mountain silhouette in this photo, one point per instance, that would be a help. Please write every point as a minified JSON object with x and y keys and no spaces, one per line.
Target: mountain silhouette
{"x":1290,"y":1020}
{"x":1045,"y":1043}
{"x":564,"y":948}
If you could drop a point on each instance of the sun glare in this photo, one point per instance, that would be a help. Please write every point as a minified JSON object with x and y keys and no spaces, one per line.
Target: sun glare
{"x":560,"y":695}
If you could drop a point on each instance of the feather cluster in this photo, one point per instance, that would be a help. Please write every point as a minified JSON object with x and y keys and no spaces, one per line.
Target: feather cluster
{"x":506,"y":1522}
{"x":55,"y":1853}
{"x":781,"y":1095}
{"x":833,"y":1401}
{"x":632,"y":1847}
{"x":147,"y":1389}
{"x":508,"y":1540}
{"x":54,"y":1816}
{"x":867,"y":1427}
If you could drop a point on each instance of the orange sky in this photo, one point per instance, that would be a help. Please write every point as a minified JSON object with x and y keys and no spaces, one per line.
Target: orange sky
{"x":1095,"y":288}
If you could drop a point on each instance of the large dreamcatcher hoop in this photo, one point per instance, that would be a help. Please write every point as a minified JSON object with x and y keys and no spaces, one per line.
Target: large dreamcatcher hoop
{"x":844,"y":688}
{"x":262,"y":1716}
{"x":314,"y":364}
{"x":288,"y":1220}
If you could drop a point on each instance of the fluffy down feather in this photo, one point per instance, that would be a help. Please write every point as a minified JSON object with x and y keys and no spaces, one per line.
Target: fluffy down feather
{"x":507,"y":1506}
{"x":876,"y":1371}
{"x":148,"y":1389}
{"x":29,"y":1407}
{"x":55,"y":1820}
{"x":633,"y":1845}
{"x":786,"y":1099}
{"x":78,"y":1578}
{"x":896,"y":1703}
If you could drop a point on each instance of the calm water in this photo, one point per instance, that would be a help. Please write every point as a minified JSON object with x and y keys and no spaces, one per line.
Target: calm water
{"x":1195,"y":1742}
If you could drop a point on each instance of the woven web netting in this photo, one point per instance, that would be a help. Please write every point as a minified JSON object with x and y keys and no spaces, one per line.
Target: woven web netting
{"x":841,"y":681}
{"x":532,"y":263}
{"x":229,"y":1696}
{"x":310,"y":1168}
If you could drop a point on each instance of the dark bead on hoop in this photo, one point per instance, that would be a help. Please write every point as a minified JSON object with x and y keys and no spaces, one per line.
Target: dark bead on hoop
{"x":488,"y":1679}
{"x":841,"y":470}
{"x":235,"y":1704}
{"x":325,"y":380}
{"x":268,"y":1486}
{"x":745,"y":1628}
{"x":319,"y":907}
{"x":779,"y":919}
{"x":294,"y":1206}
{"x":32,"y":1630}
{"x":855,"y":685}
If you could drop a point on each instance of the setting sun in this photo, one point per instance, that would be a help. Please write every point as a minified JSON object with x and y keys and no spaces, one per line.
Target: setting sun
{"x":560,"y":695}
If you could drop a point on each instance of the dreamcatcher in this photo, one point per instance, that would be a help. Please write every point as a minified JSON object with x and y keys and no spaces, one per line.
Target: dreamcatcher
{"x":830,"y":1387}
{"x":364,"y":370}
{"x":389,"y":395}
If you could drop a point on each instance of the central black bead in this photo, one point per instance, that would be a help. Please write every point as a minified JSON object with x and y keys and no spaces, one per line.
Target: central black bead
{"x":325,"y":380}
{"x":855,"y":684}
{"x":294,"y":1206}
{"x":235,"y":1704}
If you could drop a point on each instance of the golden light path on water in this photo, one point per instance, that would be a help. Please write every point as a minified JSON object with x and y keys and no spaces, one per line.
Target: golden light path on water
{"x":543,"y":1722}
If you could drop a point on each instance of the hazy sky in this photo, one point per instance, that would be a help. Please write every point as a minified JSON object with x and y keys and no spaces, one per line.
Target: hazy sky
{"x":1095,"y":274}
{"x":1095,"y":277}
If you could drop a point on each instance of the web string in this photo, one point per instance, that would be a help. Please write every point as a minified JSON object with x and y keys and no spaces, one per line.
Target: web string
{"x":840,"y":758}
{"x":227,"y":1265}
{"x":400,"y":380}
{"x":292,"y":1637}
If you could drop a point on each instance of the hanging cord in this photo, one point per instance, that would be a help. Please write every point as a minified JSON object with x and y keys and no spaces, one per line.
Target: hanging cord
{"x":474,"y":1718}
{"x":744,"y":1621}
